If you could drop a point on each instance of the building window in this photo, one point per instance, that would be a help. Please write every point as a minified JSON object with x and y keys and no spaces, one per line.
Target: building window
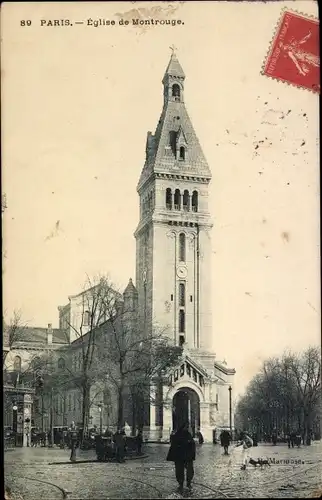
{"x":181,"y":340}
{"x":79,"y":403}
{"x":168,"y":199}
{"x":194,"y":201}
{"x":74,"y":401}
{"x":172,"y":297}
{"x":190,"y":298}
{"x":61,"y":363}
{"x":17,"y":364}
{"x":182,"y":294}
{"x":181,"y":321}
{"x":69,"y":402}
{"x":182,"y":247}
{"x":177,"y":199}
{"x":182,"y":153}
{"x":176,"y":92}
{"x":185,"y":201}
{"x":61,"y":405}
{"x":86,"y":318}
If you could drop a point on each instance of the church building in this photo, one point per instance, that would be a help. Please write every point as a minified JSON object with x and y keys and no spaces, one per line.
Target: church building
{"x":172,"y":295}
{"x":173,"y":270}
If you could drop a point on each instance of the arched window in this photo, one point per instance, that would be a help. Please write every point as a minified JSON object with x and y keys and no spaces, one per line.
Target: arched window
{"x":185,"y":201}
{"x":17,"y":364}
{"x":182,"y":295}
{"x":176,"y":92}
{"x":181,"y":321}
{"x":182,"y":153}
{"x":177,"y":199}
{"x":181,"y":340}
{"x":194,"y":201}
{"x":168,"y":199}
{"x":182,"y":247}
{"x":69,"y":402}
{"x":61,"y":363}
{"x":86,"y":318}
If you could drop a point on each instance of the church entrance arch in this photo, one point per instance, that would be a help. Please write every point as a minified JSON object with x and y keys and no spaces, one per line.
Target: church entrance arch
{"x":186,"y":408}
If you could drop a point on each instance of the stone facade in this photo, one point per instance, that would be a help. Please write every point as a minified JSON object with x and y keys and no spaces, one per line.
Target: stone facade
{"x":173,"y":271}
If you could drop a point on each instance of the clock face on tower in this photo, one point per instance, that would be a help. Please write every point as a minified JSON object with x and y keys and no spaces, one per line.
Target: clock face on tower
{"x":182,"y":272}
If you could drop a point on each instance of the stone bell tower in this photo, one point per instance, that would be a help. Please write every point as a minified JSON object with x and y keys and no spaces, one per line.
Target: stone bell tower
{"x":173,"y":264}
{"x":173,"y":235}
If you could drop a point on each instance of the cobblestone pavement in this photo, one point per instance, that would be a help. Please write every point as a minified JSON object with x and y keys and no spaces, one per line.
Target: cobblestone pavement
{"x":216,"y":476}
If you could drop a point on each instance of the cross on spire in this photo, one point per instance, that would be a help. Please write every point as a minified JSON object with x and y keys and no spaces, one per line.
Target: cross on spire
{"x":173,"y":48}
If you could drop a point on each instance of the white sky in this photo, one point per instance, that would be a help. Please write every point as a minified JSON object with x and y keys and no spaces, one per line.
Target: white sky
{"x":77,"y":104}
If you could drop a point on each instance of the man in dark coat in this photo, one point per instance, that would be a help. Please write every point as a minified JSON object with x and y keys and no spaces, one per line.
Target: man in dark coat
{"x":139,"y":441}
{"x":73,"y":436}
{"x":225,"y":439}
{"x":183,"y":452}
{"x":119,"y":440}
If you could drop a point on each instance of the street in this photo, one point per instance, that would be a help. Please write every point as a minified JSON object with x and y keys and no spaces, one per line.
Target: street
{"x":35,"y":473}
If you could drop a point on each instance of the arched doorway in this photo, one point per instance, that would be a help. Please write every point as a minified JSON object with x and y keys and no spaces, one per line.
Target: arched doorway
{"x":186,"y":408}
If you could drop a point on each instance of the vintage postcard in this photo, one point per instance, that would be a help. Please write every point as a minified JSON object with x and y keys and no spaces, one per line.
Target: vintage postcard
{"x":161,"y":249}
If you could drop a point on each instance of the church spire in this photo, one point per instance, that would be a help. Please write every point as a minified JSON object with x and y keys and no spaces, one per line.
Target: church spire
{"x":174,"y":147}
{"x":174,"y":68}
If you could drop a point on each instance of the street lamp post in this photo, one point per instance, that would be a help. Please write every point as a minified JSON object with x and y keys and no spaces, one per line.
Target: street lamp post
{"x":230,"y":410}
{"x":101,"y":418}
{"x":15,"y":421}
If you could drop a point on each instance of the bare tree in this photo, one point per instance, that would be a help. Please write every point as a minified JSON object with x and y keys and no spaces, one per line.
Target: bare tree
{"x":306,"y":371}
{"x":97,"y":304}
{"x":111,"y":350}
{"x":132,"y":359}
{"x":12,"y":332}
{"x":284,"y":396}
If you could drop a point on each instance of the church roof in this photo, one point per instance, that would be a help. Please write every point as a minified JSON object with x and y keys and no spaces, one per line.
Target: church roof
{"x":174,"y":68}
{"x":174,"y":125}
{"x":130,"y":288}
{"x":38,"y":335}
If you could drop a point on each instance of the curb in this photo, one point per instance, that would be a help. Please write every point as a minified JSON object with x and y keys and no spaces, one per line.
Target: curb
{"x":97,"y":461}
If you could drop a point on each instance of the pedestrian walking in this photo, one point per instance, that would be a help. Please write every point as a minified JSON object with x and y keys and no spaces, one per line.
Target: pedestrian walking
{"x":73,"y":438}
{"x":298,"y":439}
{"x":182,"y":452}
{"x":139,"y":441}
{"x":119,"y":440}
{"x":225,"y":440}
{"x":200,"y":437}
{"x":246,"y":443}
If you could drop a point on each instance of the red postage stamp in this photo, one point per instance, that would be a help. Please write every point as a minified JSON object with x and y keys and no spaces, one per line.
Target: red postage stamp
{"x":294,"y":54}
